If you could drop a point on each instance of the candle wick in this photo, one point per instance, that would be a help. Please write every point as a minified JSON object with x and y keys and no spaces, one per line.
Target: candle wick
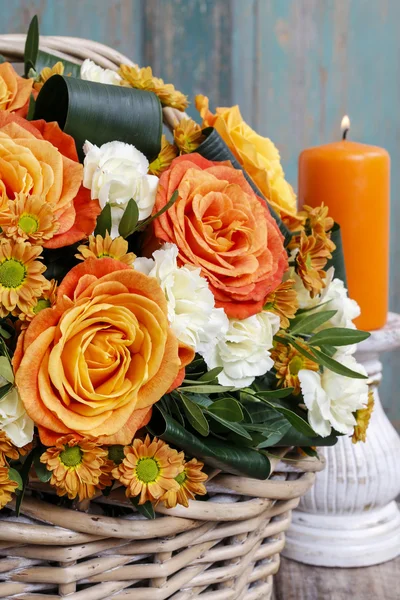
{"x":345,"y":132}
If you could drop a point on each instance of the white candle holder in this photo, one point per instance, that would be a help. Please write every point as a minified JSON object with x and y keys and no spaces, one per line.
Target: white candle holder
{"x":350,"y":517}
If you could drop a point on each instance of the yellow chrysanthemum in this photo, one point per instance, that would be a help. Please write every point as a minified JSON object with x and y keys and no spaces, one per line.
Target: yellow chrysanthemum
{"x":46,"y":300}
{"x":7,"y":487}
{"x":46,"y":73}
{"x":311,"y":260}
{"x":29,"y":218}
{"x":283,"y":302}
{"x":7,"y":450}
{"x":167,"y":154}
{"x":99,"y":247}
{"x":143,"y":79}
{"x":21,"y":279}
{"x":363,"y":417}
{"x":75,"y":466}
{"x":188,"y":136}
{"x":191,"y":483}
{"x":149,"y":469}
{"x":288,"y":362}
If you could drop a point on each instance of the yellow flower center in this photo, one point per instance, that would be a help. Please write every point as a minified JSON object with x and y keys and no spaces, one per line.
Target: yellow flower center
{"x":181,"y":478}
{"x":71,"y":456}
{"x":147,"y":470}
{"x":28,"y":223}
{"x":12,"y":273}
{"x":116,"y":454}
{"x":41,"y":304}
{"x":296,"y":364}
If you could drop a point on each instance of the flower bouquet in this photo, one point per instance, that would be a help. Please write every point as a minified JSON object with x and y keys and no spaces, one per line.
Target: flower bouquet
{"x":171,"y":327}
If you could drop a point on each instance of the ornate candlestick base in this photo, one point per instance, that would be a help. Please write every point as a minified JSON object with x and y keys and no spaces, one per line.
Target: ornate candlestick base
{"x":350,"y":517}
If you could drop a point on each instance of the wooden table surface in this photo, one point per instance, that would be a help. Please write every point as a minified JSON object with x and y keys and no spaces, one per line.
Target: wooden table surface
{"x":296,"y":581}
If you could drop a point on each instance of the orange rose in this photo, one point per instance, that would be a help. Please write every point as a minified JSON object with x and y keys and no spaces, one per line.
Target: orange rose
{"x":221,"y":226}
{"x":37,"y":158}
{"x":14,"y":90}
{"x":95,"y":363}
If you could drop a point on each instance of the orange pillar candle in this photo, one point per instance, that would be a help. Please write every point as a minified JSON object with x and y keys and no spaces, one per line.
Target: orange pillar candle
{"x":353,"y":180}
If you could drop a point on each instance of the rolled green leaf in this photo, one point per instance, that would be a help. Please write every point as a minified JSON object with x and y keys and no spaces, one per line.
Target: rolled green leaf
{"x":214,"y":148}
{"x":102,"y":113}
{"x":217,"y":453}
{"x":337,"y":260}
{"x":293,"y":437}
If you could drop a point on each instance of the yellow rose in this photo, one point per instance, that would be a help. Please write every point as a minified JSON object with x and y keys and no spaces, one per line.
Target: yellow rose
{"x":258,"y":155}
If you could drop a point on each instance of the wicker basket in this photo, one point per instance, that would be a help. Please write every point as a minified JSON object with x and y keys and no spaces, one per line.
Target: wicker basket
{"x":224,"y":549}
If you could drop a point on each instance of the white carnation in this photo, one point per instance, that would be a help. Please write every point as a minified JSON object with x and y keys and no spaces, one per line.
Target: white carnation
{"x":115,"y":173}
{"x":92,"y":72}
{"x":191,"y":307}
{"x":331,"y":399}
{"x":243,"y":353}
{"x":14,"y":420}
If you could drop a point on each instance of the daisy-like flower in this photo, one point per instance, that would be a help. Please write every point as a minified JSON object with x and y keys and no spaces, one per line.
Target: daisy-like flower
{"x":29,"y":218}
{"x":167,"y":154}
{"x":21,"y":279}
{"x":7,"y":487}
{"x":311,"y":259}
{"x":7,"y":450}
{"x":149,"y":469}
{"x":75,"y":466}
{"x":191,"y":483}
{"x":288,"y":362}
{"x":99,"y":247}
{"x":188,"y":136}
{"x":143,"y":79}
{"x":115,"y":456}
{"x":46,"y":73}
{"x":317,"y":219}
{"x":294,"y":223}
{"x":46,"y":300}
{"x":363,"y":417}
{"x":283,"y":302}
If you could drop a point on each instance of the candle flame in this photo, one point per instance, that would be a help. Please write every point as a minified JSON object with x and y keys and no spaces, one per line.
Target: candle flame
{"x":345,"y":126}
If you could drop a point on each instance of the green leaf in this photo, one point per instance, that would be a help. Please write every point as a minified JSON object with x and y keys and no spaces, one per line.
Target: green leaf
{"x":338,"y":336}
{"x":336,"y":366}
{"x":146,"y":509}
{"x":6,"y":370}
{"x":275,"y":394}
{"x":228,"y":409}
{"x":24,"y":472}
{"x":14,"y":475}
{"x":144,"y":224}
{"x":129,"y":219}
{"x":230,"y":458}
{"x":31,"y":45}
{"x":46,"y":59}
{"x":211,"y":375}
{"x":41,"y":470}
{"x":104,"y":222}
{"x":302,"y":350}
{"x":337,"y":261}
{"x":235,"y":427}
{"x":5,"y":389}
{"x":294,"y":419}
{"x":205,"y":389}
{"x":195,"y":416}
{"x":293,"y":437}
{"x":214,"y":148}
{"x":2,"y":59}
{"x":200,"y":399}
{"x":31,"y":108}
{"x":308,"y":323}
{"x":102,"y":113}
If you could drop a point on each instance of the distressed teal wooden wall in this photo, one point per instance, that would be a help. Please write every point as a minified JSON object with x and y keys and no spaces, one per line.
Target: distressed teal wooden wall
{"x":294,"y":66}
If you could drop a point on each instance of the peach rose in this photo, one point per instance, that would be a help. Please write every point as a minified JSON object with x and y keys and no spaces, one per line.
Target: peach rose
{"x":14,"y":90}
{"x":221,"y":226}
{"x":37,"y":158}
{"x":258,"y":155}
{"x":95,"y":363}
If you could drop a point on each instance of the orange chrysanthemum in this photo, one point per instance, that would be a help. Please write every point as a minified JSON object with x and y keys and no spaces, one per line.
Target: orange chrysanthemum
{"x":7,"y":487}
{"x":317,"y":219}
{"x":143,"y":79}
{"x":191,"y":483}
{"x":288,"y":362}
{"x":149,"y":469}
{"x":100,"y":247}
{"x":7,"y":449}
{"x":363,"y":417}
{"x":46,"y":300}
{"x":167,"y":154}
{"x":46,"y":73}
{"x":188,"y":136}
{"x":294,"y":223}
{"x":115,"y":456}
{"x":21,"y":279}
{"x":311,"y":260}
{"x":29,"y":218}
{"x":283,"y":302}
{"x":75,"y":466}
